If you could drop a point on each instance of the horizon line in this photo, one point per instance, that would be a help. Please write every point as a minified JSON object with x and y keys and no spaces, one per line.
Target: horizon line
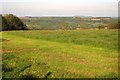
{"x":58,"y":15}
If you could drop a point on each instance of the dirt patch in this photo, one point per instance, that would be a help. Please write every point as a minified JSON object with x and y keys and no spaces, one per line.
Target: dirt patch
{"x":19,"y":50}
{"x":66,"y":57}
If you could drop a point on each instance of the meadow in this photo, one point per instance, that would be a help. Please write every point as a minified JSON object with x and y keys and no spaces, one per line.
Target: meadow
{"x":60,"y":54}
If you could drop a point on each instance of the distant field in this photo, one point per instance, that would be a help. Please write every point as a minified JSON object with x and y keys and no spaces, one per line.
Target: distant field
{"x":60,"y":54}
{"x":55,"y":23}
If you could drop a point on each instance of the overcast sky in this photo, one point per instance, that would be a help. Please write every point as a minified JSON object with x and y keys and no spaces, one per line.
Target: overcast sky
{"x":60,"y":7}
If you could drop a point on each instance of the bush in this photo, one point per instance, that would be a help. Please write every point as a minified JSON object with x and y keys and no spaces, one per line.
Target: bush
{"x":12,"y":22}
{"x":101,"y":26}
{"x":5,"y":25}
{"x":113,"y":24}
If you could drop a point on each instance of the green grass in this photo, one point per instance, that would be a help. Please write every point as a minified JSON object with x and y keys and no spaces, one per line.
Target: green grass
{"x":60,"y":54}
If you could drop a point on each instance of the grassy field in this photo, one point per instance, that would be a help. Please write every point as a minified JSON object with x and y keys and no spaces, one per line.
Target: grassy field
{"x":60,"y":54}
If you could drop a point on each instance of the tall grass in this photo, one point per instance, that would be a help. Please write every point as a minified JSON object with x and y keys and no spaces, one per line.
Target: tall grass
{"x":96,"y":38}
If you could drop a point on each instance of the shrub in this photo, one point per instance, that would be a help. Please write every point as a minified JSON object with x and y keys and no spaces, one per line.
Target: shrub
{"x":12,"y":22}
{"x":5,"y":25}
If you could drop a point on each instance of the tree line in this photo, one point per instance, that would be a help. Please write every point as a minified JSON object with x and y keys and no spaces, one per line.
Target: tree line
{"x":12,"y":22}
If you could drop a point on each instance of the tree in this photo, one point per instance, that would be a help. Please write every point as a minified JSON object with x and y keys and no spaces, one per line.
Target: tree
{"x":5,"y":25}
{"x":113,"y":24}
{"x":13,"y":23}
{"x":66,"y":26}
{"x":101,"y":26}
